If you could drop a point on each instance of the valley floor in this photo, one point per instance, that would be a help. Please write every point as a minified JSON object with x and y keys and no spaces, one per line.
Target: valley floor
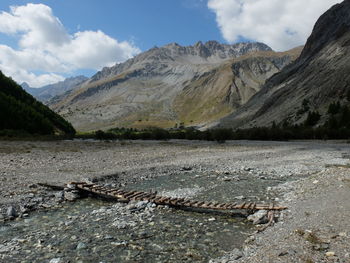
{"x":315,"y":228}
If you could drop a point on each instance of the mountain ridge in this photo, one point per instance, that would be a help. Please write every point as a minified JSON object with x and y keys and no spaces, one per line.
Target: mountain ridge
{"x":145,"y":90}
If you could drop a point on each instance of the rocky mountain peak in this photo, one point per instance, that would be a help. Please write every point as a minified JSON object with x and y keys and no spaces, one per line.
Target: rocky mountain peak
{"x":200,"y":53}
{"x":331,"y":26}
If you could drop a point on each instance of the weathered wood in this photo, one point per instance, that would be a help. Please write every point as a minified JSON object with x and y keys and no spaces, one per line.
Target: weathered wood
{"x":125,"y":196}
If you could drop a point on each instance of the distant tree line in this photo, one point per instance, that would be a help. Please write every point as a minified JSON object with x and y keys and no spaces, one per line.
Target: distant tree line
{"x":336,"y":126}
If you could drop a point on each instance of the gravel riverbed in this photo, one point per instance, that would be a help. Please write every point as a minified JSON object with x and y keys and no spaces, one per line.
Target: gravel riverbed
{"x":311,"y":178}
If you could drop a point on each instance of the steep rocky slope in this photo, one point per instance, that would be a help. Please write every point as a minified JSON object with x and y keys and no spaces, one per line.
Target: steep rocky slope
{"x":47,"y":92}
{"x":172,"y":84}
{"x":319,"y":76}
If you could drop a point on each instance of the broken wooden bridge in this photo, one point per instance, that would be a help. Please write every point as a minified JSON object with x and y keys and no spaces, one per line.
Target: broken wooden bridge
{"x":121,"y":195}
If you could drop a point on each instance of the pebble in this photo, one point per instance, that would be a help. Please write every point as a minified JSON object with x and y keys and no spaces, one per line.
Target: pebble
{"x":259,"y":217}
{"x":81,"y":245}
{"x":330,"y":254}
{"x":343,"y":234}
{"x":120,"y":244}
{"x":11,"y":212}
{"x":55,"y":260}
{"x":71,"y":195}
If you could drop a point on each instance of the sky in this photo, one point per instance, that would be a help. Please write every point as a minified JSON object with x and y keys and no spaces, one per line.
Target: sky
{"x":43,"y":42}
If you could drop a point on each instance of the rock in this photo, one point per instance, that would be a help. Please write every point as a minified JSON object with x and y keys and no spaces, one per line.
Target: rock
{"x":11,"y":212}
{"x":249,"y":240}
{"x":330,"y":254}
{"x":343,"y":234}
{"x":71,"y":186}
{"x":71,"y":195}
{"x":236,"y":254}
{"x":321,"y":247}
{"x":259,"y":217}
{"x":120,"y":244}
{"x":211,"y":219}
{"x":137,"y":206}
{"x":81,"y":245}
{"x":290,"y":252}
{"x":59,"y":196}
{"x":55,"y":260}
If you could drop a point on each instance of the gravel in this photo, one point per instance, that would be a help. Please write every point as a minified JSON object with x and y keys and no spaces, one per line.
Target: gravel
{"x":315,"y":228}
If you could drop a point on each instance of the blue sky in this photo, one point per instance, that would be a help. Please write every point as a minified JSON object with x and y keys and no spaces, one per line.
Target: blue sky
{"x":146,"y":22}
{"x":43,"y":42}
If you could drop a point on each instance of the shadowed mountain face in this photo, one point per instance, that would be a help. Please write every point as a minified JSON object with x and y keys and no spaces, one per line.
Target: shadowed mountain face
{"x":172,"y":84}
{"x":20,"y":112}
{"x":319,"y":76}
{"x":50,"y":91}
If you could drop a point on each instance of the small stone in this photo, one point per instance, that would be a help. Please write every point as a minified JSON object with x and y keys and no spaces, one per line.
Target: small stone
{"x":55,"y":260}
{"x":71,"y":186}
{"x":236,"y":254}
{"x":343,"y":234}
{"x":59,"y":196}
{"x":315,"y":182}
{"x":330,"y":254}
{"x":81,"y":245}
{"x":120,"y":244}
{"x":259,"y":217}
{"x":11,"y":212}
{"x":71,"y":195}
{"x":249,"y":240}
{"x":320,"y":247}
{"x":211,"y":219}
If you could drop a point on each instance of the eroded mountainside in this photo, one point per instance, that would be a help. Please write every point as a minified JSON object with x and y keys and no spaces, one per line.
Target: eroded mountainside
{"x":317,"y":78}
{"x":172,"y":84}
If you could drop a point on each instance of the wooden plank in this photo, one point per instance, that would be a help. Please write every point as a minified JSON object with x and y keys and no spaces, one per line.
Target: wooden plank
{"x":123,"y":195}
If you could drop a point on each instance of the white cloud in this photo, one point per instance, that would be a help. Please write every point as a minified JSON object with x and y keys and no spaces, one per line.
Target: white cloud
{"x":45,"y":46}
{"x":281,"y":24}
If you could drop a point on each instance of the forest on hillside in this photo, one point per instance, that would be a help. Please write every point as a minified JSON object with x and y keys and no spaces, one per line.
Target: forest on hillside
{"x":21,"y":113}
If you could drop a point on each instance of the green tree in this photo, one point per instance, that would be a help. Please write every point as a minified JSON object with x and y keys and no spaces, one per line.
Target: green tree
{"x":312,"y":118}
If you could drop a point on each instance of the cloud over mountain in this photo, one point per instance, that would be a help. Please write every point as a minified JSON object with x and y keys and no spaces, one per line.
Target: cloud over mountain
{"x":281,"y":24}
{"x":46,"y":50}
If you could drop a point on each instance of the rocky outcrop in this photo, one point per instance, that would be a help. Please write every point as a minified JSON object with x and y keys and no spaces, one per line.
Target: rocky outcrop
{"x":172,"y":84}
{"x":320,"y":76}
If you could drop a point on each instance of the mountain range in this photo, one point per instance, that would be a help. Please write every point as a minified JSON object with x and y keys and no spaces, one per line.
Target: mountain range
{"x":48,"y":92}
{"x":214,"y":85}
{"x":172,"y":85}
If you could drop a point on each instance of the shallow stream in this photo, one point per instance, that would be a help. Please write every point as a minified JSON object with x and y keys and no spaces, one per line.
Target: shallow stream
{"x":93,"y":230}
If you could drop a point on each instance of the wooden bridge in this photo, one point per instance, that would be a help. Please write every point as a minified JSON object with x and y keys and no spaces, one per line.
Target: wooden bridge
{"x":121,"y":195}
